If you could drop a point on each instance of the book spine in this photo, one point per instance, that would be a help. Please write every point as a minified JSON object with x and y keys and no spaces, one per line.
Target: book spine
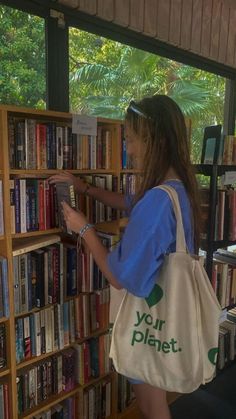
{"x":5,"y":289}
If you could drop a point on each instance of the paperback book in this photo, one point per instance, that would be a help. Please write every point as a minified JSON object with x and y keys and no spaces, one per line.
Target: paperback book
{"x":65,"y":193}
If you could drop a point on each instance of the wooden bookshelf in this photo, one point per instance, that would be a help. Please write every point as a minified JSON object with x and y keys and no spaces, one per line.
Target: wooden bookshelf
{"x":16,"y":244}
{"x":4,"y":372}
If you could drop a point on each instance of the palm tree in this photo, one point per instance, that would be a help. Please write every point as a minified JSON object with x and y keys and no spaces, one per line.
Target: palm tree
{"x":106,"y":89}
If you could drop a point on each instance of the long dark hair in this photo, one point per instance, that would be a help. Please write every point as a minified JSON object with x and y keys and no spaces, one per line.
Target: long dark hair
{"x":159,"y":121}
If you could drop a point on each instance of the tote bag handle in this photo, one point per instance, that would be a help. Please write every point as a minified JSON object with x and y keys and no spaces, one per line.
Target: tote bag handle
{"x":180,"y":235}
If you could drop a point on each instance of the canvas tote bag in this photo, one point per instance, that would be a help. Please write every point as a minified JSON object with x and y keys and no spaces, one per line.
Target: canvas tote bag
{"x":170,"y":338}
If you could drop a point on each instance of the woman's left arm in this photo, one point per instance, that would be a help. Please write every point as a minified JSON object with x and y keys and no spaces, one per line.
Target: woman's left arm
{"x":76,"y":220}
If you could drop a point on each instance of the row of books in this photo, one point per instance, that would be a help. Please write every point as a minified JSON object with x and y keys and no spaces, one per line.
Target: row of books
{"x":128,"y":183}
{"x":125,"y":393}
{"x":92,"y":358}
{"x":225,"y":224}
{"x":36,"y":204}
{"x":63,"y":410}
{"x":38,"y":277}
{"x":4,"y":290}
{"x":4,"y":401}
{"x":47,"y":275}
{"x":96,"y":211}
{"x":1,"y":209}
{"x":224,"y":281}
{"x":33,"y":205}
{"x":97,"y":400}
{"x":50,"y":377}
{"x":56,"y":327}
{"x":35,"y":144}
{"x":3,"y":349}
{"x":227,"y":343}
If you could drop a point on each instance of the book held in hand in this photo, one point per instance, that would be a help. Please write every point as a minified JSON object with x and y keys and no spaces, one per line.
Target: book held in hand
{"x":66,"y":193}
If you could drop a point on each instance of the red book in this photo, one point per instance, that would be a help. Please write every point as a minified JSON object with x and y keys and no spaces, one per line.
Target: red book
{"x":6,"y":401}
{"x":41,"y":147}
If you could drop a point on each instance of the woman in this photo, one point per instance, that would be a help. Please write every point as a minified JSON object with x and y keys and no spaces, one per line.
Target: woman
{"x":157,"y":141}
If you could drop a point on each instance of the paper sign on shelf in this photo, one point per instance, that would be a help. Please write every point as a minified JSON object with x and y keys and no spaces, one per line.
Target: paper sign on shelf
{"x":223,"y":316}
{"x":84,"y":125}
{"x":229,"y":178}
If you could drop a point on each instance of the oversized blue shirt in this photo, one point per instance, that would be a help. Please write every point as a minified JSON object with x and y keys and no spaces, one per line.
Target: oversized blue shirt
{"x":149,"y":235}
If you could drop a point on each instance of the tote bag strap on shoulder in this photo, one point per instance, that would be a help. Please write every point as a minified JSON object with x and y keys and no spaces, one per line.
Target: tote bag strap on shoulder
{"x":180,"y":235}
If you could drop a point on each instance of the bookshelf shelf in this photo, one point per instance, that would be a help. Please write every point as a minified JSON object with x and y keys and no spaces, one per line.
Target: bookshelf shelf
{"x":4,"y":372}
{"x":3,"y":319}
{"x":36,"y":359}
{"x":28,"y":244}
{"x":95,"y":380}
{"x":48,"y":172}
{"x":207,"y":169}
{"x":34,"y":310}
{"x":23,"y":149}
{"x":50,"y":402}
{"x":93,"y":335}
{"x":36,"y":233}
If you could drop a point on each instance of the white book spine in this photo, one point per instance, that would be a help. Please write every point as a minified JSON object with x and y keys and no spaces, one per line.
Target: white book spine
{"x":37,"y":332}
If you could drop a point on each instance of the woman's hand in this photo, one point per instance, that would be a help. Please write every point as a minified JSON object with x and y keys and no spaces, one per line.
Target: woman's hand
{"x":75,"y":220}
{"x":67,"y":177}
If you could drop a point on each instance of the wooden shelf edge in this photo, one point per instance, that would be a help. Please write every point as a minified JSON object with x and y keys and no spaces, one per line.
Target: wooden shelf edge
{"x":39,"y":358}
{"x":44,"y":173}
{"x":4,"y":372}
{"x":93,"y":381}
{"x":36,"y":233}
{"x":3,"y":319}
{"x":47,"y":404}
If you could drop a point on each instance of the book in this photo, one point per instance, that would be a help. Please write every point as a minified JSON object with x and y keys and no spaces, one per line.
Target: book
{"x":211,"y":144}
{"x":66,"y":193}
{"x":1,"y":210}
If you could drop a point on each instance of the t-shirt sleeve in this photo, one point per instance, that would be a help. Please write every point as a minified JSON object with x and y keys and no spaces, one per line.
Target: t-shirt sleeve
{"x":149,"y":234}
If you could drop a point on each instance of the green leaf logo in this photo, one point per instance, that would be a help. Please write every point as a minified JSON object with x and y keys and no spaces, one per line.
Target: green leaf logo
{"x":212,"y":355}
{"x":155,"y":296}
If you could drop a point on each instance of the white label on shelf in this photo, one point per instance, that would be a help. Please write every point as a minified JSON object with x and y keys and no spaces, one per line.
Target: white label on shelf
{"x":223,"y":316}
{"x":84,"y":125}
{"x":229,"y":178}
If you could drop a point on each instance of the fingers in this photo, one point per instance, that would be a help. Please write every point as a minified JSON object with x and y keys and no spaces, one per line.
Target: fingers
{"x":62,"y":177}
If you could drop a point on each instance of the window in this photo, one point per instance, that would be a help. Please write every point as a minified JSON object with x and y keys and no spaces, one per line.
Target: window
{"x":105,"y":75}
{"x":22,"y":59}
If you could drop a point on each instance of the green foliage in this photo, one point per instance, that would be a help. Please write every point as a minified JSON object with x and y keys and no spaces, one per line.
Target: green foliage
{"x":106,"y":75}
{"x":22,"y":59}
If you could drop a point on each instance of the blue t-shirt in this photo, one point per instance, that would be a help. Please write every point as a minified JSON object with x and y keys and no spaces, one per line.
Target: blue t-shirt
{"x":149,"y":235}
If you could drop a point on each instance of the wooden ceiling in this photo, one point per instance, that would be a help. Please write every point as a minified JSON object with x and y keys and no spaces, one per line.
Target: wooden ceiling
{"x":204,"y":27}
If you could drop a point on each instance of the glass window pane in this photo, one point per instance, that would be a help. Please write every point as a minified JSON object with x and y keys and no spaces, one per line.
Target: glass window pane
{"x":105,"y":75}
{"x":22,"y":59}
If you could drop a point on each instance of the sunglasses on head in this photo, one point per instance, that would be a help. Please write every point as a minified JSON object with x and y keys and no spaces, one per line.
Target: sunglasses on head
{"x":136,"y":109}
